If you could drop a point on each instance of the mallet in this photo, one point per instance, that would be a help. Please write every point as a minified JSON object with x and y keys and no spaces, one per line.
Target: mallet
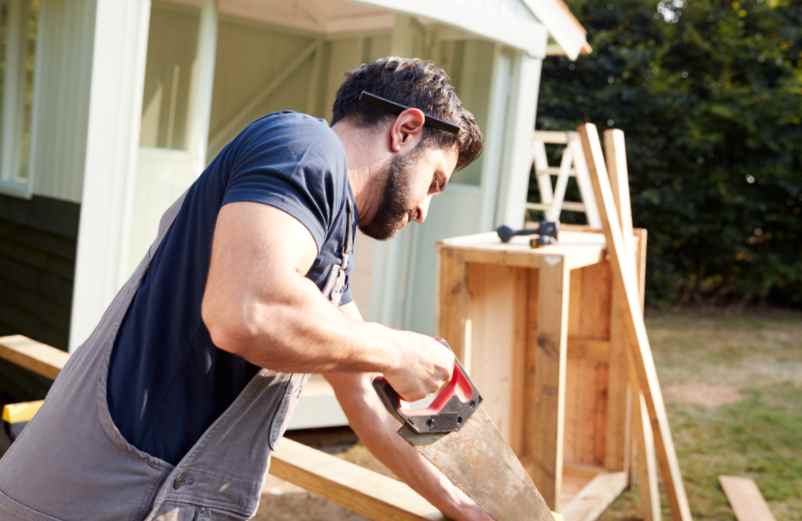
{"x":546,"y":232}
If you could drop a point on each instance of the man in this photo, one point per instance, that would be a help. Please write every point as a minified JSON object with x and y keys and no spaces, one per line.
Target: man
{"x":171,"y":408}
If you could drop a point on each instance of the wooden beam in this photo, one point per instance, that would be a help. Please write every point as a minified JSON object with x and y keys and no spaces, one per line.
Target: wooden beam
{"x":638,"y":420}
{"x":626,"y":279}
{"x":745,"y":499}
{"x":20,"y":412}
{"x":34,"y":356}
{"x":594,"y":498}
{"x":545,"y":382}
{"x":452,"y":296}
{"x":356,"y":488}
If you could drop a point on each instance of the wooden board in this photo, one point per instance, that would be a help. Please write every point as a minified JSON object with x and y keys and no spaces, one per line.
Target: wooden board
{"x":356,"y":488}
{"x":745,"y":499}
{"x":499,"y":295}
{"x":546,"y":382}
{"x":595,"y":497}
{"x":625,"y":278}
{"x":34,"y":356}
{"x":625,"y":386}
{"x":20,"y":412}
{"x":587,"y":371}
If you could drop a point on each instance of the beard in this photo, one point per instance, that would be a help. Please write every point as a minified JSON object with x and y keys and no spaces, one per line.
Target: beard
{"x":395,"y":205}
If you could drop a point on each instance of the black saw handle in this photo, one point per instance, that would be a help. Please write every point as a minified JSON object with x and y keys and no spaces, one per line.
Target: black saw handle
{"x":449,"y":411}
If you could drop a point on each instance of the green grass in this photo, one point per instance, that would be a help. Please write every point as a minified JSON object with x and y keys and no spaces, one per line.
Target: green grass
{"x":745,"y":419}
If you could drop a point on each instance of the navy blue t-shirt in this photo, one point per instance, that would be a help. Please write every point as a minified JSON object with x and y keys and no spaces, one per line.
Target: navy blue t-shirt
{"x":168,"y":382}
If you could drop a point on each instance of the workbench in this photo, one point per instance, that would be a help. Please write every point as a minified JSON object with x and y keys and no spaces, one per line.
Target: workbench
{"x":537,"y":331}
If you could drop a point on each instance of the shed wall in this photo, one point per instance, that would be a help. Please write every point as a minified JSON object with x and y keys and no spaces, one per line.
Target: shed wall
{"x":64,"y":73}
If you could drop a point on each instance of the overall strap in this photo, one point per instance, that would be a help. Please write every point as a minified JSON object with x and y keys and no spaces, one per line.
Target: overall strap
{"x":348,"y":247}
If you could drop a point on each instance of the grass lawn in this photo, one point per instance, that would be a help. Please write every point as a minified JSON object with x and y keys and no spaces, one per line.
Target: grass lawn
{"x":733,"y":387}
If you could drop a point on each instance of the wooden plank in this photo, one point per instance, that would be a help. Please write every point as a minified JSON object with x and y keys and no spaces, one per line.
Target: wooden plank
{"x":635,"y":420}
{"x":356,"y":488}
{"x":641,"y":428}
{"x":595,"y":497}
{"x":452,"y":308}
{"x":745,"y":499}
{"x":580,"y":248}
{"x":546,"y":382}
{"x":34,"y":356}
{"x":586,"y":398}
{"x":20,"y":412}
{"x":645,"y":464}
{"x":626,"y":278}
{"x":591,"y":349}
{"x":498,"y":297}
{"x":619,"y":405}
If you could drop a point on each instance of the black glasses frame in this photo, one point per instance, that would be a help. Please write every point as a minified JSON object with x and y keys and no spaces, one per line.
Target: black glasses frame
{"x":397,"y":108}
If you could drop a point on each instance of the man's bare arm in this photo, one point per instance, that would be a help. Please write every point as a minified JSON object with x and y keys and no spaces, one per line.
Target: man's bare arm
{"x":377,"y":429}
{"x":259,"y":305}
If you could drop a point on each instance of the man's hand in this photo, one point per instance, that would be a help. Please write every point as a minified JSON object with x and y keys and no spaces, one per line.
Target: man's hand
{"x":426,"y":366}
{"x":377,"y":428}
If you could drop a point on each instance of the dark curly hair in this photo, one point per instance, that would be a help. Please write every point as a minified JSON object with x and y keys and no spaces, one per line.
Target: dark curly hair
{"x":414,"y":83}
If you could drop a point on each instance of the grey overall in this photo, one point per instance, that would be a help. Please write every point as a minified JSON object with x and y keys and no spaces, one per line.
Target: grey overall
{"x":72,"y":464}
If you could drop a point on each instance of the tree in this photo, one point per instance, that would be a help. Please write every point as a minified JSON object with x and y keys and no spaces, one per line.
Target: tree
{"x":709,"y":94}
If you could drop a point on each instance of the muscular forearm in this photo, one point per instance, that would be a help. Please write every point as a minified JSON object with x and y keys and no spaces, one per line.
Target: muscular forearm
{"x":295,"y":329}
{"x":376,"y":428}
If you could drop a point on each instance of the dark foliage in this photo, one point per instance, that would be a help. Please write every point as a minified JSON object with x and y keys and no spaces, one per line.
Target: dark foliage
{"x":709,"y":94}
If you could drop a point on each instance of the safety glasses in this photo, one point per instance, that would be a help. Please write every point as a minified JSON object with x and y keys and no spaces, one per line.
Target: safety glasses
{"x":397,"y":108}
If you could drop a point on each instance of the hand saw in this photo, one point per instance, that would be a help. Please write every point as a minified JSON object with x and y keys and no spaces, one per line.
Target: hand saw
{"x":460,"y":439}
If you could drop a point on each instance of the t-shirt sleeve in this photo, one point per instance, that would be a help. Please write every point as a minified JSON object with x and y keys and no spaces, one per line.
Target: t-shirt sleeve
{"x":299,"y":186}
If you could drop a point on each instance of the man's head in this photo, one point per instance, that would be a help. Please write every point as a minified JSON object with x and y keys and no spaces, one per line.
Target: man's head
{"x":398,"y":112}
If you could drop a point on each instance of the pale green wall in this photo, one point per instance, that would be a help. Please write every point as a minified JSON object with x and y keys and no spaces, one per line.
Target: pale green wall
{"x":250,"y":55}
{"x":63,"y":78}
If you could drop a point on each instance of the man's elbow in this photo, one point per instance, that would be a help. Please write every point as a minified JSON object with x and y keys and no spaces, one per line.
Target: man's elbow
{"x":230,"y":327}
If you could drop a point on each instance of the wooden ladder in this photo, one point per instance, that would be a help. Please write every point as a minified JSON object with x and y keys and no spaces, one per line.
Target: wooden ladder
{"x":572,"y":164}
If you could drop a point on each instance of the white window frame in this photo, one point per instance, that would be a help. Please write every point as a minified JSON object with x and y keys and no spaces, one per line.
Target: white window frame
{"x":12,"y":121}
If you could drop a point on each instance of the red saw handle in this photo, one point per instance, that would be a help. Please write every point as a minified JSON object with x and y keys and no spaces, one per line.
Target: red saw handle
{"x":448,"y":412}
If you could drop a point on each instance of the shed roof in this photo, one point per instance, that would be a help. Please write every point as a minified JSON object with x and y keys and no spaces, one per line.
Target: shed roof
{"x":517,"y":23}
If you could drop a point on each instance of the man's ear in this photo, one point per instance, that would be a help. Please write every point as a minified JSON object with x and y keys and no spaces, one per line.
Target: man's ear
{"x":407,"y":129}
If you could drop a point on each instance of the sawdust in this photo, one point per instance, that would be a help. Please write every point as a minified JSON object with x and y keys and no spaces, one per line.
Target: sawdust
{"x":708,"y":395}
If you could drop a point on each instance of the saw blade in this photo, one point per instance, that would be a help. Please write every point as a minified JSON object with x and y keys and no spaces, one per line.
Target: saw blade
{"x":479,"y":462}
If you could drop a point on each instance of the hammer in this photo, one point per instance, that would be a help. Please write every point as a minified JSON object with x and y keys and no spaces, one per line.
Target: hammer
{"x":546,"y":232}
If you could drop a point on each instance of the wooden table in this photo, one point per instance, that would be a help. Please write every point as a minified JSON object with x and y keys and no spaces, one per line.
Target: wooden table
{"x":537,"y":332}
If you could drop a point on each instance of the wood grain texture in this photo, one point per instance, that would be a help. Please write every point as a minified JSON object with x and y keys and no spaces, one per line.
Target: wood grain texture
{"x":32,"y":355}
{"x":546,"y":383}
{"x":356,"y":488}
{"x":619,"y":405}
{"x":626,"y":278}
{"x":452,"y":298}
{"x":595,"y":497}
{"x":745,"y":498}
{"x":625,"y":387}
{"x":497,"y":314}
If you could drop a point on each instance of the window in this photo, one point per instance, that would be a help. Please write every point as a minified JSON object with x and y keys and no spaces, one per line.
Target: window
{"x":18,"y":25}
